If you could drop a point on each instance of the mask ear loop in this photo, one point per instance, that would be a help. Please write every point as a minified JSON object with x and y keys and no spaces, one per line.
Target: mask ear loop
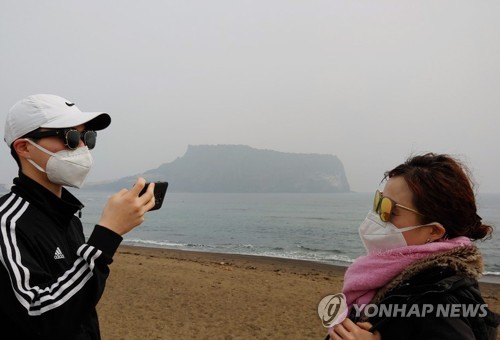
{"x":41,"y":148}
{"x":38,"y":167}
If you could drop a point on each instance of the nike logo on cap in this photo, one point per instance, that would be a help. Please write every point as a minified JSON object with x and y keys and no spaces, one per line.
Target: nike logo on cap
{"x":70,"y":104}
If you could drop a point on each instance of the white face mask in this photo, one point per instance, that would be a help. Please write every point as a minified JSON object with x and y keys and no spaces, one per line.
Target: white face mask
{"x":66,"y":167}
{"x":378,"y":236}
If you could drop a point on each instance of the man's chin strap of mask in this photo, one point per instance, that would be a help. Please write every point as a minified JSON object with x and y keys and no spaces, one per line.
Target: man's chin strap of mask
{"x":32,"y":162}
{"x":66,"y":167}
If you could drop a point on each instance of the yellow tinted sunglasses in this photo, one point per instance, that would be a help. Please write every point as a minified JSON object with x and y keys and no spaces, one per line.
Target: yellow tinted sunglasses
{"x":383,"y":206}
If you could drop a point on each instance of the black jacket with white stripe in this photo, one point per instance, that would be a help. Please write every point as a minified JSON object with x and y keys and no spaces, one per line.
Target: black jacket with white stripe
{"x":50,"y":278}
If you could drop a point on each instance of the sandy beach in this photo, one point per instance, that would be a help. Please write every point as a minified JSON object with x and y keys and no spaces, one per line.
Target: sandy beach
{"x":157,"y":293}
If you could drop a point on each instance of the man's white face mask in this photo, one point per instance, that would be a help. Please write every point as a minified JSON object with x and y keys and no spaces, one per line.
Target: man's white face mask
{"x":66,"y":167}
{"x":378,"y":236}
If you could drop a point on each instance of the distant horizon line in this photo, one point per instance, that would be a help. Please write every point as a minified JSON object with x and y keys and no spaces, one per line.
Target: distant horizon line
{"x":84,"y":188}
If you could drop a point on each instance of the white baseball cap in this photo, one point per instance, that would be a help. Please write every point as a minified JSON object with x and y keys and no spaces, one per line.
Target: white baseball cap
{"x":49,"y":111}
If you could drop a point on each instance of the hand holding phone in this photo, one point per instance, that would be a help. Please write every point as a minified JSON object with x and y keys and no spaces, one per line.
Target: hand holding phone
{"x":159,"y":193}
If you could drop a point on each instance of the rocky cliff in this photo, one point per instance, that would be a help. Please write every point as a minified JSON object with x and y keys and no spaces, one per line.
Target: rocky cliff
{"x":240,"y":168}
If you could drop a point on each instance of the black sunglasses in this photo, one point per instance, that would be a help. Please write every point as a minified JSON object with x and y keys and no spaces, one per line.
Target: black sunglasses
{"x":71,"y":137}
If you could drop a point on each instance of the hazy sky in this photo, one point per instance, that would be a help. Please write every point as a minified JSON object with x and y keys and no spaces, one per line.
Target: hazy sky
{"x":369,"y":81}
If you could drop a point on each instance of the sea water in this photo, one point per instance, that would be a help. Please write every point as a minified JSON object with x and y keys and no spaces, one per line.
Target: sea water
{"x":314,"y":227}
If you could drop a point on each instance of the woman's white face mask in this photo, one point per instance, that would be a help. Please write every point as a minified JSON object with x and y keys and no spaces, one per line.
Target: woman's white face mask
{"x":378,"y":236}
{"x":66,"y":167}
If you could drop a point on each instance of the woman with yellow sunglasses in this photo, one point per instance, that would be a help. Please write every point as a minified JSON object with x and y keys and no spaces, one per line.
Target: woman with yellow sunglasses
{"x":419,"y":277}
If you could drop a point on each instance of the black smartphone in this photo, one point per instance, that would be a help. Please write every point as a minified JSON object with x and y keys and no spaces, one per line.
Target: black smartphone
{"x":159,"y":192}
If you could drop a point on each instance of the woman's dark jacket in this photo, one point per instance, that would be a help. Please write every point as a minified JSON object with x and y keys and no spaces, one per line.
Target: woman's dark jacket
{"x":434,"y":298}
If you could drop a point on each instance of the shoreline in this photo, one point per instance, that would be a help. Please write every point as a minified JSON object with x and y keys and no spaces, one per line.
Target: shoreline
{"x":237,"y":260}
{"x":236,"y":255}
{"x":487,"y":278}
{"x":161,"y":293}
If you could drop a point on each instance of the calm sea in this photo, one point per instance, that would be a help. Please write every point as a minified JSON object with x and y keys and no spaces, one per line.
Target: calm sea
{"x":315,"y":227}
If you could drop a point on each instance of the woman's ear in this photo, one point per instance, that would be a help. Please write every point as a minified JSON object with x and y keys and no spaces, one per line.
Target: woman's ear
{"x":437,"y":232}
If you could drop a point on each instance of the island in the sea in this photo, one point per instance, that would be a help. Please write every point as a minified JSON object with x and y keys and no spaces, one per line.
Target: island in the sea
{"x":241,"y":168}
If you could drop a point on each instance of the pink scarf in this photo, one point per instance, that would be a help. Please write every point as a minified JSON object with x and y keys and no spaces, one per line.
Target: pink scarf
{"x":369,"y":273}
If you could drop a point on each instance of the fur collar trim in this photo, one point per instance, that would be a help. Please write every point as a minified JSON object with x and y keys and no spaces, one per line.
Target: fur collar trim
{"x":465,"y":261}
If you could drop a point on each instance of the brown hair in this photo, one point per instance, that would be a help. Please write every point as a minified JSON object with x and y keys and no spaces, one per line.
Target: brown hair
{"x":443,"y":192}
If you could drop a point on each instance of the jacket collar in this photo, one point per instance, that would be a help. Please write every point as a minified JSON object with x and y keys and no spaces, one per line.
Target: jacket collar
{"x":442,"y":271}
{"x":61,"y":209}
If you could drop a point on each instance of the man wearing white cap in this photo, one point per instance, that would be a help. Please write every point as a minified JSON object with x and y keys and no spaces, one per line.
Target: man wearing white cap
{"x":51,"y":278}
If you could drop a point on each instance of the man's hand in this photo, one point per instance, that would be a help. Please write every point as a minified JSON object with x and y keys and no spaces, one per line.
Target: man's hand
{"x":125,"y":210}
